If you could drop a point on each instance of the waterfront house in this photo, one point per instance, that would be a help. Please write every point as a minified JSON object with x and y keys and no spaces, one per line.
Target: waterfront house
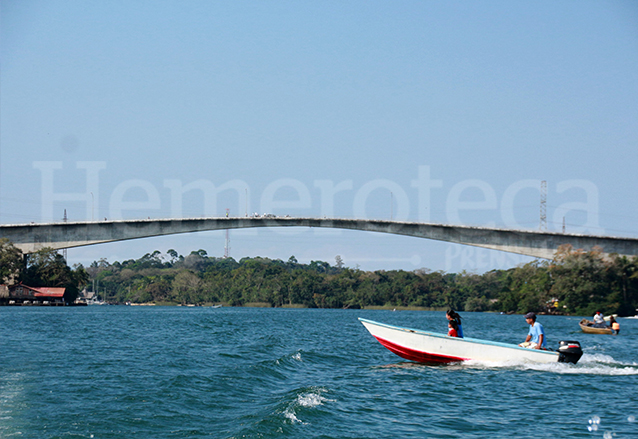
{"x":21,"y":294}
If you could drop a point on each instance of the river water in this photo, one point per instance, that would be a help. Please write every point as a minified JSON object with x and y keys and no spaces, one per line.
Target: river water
{"x":177,"y":372}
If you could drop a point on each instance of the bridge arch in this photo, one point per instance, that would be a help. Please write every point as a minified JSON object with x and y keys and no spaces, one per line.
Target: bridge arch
{"x":540,"y":244}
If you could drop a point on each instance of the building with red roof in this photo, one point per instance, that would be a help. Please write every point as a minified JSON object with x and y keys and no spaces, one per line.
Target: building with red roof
{"x":21,"y":294}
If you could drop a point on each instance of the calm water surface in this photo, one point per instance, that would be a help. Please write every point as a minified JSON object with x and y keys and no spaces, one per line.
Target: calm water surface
{"x":176,"y":372}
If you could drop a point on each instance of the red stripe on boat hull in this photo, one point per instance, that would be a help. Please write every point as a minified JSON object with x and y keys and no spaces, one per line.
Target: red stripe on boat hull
{"x":419,"y":356}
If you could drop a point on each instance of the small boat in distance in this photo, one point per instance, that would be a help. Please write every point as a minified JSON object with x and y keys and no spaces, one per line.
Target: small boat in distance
{"x":588,"y":328}
{"x":432,"y":347}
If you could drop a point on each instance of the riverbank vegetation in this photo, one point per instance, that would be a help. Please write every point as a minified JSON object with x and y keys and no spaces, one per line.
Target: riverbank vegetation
{"x":575,"y":282}
{"x":45,"y":268}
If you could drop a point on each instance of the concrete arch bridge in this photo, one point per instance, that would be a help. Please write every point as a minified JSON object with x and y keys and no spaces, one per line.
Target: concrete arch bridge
{"x":540,"y":244}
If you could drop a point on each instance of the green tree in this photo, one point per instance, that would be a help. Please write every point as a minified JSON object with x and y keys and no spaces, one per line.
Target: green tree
{"x":11,"y":262}
{"x":185,"y":287}
{"x":47,"y":268}
{"x":476,"y":304}
{"x":623,"y":279}
{"x":532,"y":284}
{"x":579,"y":281}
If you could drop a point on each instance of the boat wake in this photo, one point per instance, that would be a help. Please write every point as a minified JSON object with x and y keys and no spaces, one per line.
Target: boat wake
{"x":589,"y":364}
{"x":596,"y":364}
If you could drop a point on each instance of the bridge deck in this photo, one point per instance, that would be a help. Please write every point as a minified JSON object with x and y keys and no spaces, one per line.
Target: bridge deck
{"x":541,"y":244}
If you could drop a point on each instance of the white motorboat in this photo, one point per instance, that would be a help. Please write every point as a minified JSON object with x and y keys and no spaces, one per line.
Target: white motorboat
{"x":95,"y":301}
{"x":432,"y":347}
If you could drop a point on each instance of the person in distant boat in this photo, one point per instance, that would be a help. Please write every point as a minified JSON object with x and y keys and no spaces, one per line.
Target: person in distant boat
{"x":536,"y":335}
{"x":615,"y":326}
{"x":453,"y":332}
{"x":452,"y":315}
{"x":599,"y":320}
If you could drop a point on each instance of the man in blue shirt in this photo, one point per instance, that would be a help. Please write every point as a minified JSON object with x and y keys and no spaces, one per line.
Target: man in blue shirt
{"x":536,"y":335}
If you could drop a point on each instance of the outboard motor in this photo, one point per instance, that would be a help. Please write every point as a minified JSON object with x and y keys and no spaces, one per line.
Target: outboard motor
{"x":569,"y":351}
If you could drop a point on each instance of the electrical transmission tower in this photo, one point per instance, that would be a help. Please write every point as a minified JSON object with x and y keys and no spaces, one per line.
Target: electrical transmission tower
{"x":543,"y":224}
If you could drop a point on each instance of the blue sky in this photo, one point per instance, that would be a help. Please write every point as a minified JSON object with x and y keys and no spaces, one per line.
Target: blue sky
{"x":321,"y":109}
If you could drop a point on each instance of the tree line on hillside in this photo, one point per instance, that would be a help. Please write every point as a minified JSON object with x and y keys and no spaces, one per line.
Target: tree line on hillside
{"x":574,"y":282}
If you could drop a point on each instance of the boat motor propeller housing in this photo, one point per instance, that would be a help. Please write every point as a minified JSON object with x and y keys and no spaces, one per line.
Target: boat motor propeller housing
{"x":569,"y":351}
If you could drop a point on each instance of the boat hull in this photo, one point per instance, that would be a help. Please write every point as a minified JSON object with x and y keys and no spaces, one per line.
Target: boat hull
{"x":592,"y":329}
{"x":431,"y":347}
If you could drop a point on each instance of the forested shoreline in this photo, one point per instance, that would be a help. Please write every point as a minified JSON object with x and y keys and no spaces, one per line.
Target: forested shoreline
{"x":575,"y":282}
